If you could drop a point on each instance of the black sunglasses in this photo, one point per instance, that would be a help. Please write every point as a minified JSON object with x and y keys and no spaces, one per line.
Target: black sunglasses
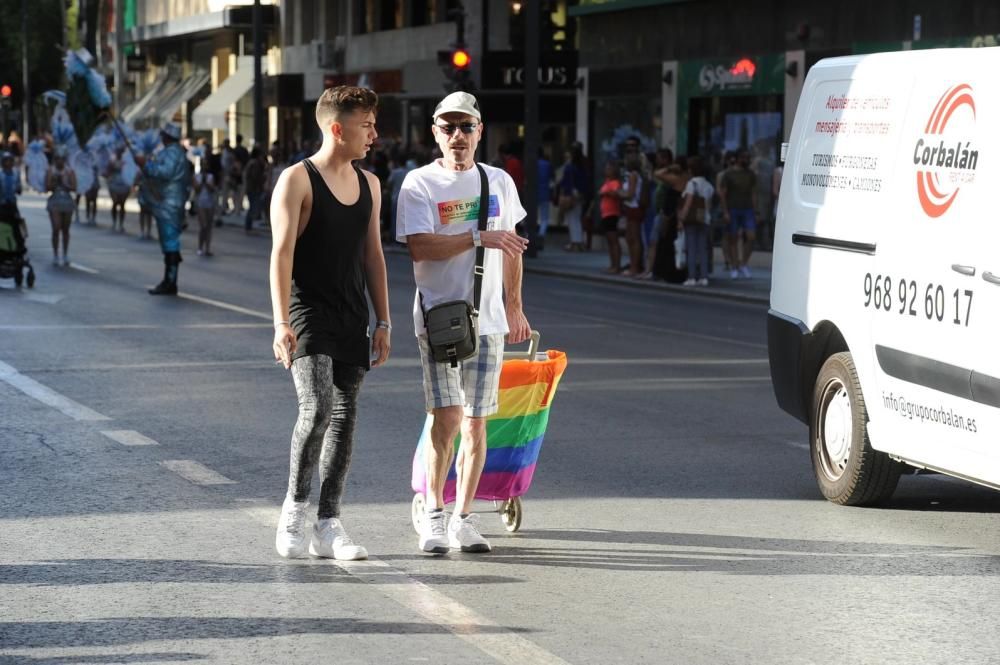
{"x":449,"y":129}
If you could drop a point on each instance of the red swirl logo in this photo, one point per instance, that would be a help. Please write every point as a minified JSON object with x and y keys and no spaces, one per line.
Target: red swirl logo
{"x":935,"y":199}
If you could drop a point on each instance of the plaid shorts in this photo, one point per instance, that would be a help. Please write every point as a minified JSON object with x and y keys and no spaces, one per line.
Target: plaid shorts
{"x":473,"y":385}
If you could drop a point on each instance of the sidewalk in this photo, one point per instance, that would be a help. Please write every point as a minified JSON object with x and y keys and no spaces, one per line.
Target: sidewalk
{"x":588,"y":266}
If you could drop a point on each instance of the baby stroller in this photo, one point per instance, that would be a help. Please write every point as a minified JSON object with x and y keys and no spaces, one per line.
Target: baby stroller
{"x":528,"y":383}
{"x":13,"y":250}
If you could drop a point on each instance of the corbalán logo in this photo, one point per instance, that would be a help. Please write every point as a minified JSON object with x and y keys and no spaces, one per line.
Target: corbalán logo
{"x":956,"y":159}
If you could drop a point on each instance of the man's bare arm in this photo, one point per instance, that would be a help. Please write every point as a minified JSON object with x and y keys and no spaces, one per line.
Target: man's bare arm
{"x":286,"y":208}
{"x":436,"y":246}
{"x":375,"y":273}
{"x":513,"y":270}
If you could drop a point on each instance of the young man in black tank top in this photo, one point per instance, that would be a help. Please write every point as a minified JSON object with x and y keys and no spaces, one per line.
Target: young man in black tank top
{"x":326,"y":252}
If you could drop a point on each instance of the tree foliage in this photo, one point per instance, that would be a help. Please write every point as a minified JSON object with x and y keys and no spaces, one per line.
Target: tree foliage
{"x":45,"y":33}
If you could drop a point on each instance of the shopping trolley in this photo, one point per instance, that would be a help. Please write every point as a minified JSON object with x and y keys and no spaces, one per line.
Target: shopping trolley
{"x":528,"y":382}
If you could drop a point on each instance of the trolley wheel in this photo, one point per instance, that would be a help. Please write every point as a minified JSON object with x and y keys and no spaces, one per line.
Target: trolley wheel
{"x":511,"y":512}
{"x":31,"y":278}
{"x":18,"y":279}
{"x":417,"y":509}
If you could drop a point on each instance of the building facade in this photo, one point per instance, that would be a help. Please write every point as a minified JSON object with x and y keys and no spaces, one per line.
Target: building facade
{"x":704,"y":76}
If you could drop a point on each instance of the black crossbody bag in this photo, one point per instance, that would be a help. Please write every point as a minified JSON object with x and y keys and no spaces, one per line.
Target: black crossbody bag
{"x":453,"y":327}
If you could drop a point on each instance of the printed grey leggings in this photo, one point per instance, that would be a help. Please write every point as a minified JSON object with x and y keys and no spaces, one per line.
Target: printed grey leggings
{"x":328,"y":404}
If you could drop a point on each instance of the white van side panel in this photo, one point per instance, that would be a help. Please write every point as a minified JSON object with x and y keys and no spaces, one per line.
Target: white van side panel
{"x":835,"y":189}
{"x":892,"y":184}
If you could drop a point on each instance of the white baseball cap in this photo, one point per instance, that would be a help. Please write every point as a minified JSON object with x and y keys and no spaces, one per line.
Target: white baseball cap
{"x":458,"y":102}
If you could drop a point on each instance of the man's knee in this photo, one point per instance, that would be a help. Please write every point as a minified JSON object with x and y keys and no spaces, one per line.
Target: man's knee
{"x":447,"y":425}
{"x":474,"y":430}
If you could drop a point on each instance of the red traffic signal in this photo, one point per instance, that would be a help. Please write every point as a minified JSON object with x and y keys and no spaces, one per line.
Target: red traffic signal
{"x":460,"y":59}
{"x":6,"y":90}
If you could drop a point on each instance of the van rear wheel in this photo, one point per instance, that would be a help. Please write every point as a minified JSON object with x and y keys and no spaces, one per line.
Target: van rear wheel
{"x":848,"y":470}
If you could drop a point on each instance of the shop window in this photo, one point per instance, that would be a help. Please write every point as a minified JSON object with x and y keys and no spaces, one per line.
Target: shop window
{"x":390,"y":14}
{"x":309,"y":22}
{"x":288,"y":25}
{"x":332,"y":19}
{"x":421,"y":12}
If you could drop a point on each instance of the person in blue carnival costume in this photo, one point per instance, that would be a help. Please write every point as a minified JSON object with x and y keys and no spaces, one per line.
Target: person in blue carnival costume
{"x":168,"y":190}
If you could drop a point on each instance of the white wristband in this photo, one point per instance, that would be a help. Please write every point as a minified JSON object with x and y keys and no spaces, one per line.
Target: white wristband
{"x":281,"y":323}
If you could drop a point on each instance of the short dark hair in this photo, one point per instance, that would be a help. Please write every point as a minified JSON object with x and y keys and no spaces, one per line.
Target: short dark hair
{"x":696,"y":166}
{"x":344,"y":99}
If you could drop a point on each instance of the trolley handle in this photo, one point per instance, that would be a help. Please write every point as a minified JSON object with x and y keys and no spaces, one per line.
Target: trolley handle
{"x":525,"y":355}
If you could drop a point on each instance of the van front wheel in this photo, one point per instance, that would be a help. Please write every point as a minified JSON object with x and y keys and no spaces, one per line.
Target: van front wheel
{"x":849,"y":471}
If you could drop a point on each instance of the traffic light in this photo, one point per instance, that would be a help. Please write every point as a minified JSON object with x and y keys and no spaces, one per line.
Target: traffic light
{"x":456,"y":64}
{"x":5,"y":94}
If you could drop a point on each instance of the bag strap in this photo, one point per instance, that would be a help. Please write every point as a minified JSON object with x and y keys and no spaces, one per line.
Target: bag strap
{"x":484,"y":212}
{"x":477,"y":270}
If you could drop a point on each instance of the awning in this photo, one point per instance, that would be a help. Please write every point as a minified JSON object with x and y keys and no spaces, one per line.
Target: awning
{"x":160,"y":87}
{"x":211,"y":114}
{"x":167,"y":106}
{"x":158,"y":106}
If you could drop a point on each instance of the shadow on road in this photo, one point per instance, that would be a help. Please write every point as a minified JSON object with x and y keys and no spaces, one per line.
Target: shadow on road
{"x":135,"y":630}
{"x":180,"y":657}
{"x":645,"y":551}
{"x":80,"y":572}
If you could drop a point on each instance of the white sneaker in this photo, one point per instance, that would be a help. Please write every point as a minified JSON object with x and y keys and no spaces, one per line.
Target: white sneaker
{"x":65,"y":261}
{"x":690,"y":281}
{"x":464,"y":533}
{"x":734,"y":274}
{"x":703,"y":281}
{"x":745,"y":272}
{"x":330,"y":540}
{"x":290,"y":540}
{"x":434,"y":533}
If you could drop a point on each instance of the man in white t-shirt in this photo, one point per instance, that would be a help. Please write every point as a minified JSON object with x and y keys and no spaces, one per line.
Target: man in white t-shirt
{"x":437,"y":217}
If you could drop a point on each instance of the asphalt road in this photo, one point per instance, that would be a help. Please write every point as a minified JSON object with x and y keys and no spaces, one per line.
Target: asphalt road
{"x":673,"y":517}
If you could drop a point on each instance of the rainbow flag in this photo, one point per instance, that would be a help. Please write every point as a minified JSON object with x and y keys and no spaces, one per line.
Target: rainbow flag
{"x":513,"y":435}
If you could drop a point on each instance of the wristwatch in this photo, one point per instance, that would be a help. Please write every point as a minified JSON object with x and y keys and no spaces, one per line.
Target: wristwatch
{"x":384,"y":324}
{"x":476,"y":240}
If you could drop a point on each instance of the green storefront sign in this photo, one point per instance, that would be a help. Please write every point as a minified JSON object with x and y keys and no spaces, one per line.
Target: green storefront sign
{"x":733,"y":77}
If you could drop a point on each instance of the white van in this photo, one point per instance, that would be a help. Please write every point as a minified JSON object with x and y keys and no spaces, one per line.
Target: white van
{"x":884,"y":327}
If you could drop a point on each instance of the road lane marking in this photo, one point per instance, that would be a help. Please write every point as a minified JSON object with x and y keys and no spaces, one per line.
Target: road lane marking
{"x":196,"y":472}
{"x":224,"y":305}
{"x":47,"y":396}
{"x":45,"y":298}
{"x":82,"y":268}
{"x":657,"y":329}
{"x":671,"y":382}
{"x":128,"y":437}
{"x":498,"y":641}
{"x":576,"y":360}
{"x":797,"y":444}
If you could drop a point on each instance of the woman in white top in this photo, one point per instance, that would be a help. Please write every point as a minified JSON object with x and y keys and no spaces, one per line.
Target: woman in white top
{"x":694,"y":219}
{"x":61,"y":181}
{"x":635,"y":213}
{"x":204,"y":202}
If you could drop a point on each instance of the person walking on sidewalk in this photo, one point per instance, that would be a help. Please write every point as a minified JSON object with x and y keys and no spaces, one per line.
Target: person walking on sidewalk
{"x":326,"y":252}
{"x":610,"y":195}
{"x":695,"y":221}
{"x":438,"y":220}
{"x":254,"y":182}
{"x":167,"y":192}
{"x":738,"y":192}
